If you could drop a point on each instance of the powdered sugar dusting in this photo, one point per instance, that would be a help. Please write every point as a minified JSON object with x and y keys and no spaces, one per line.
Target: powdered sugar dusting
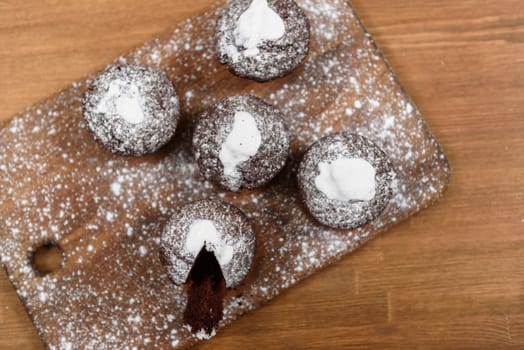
{"x":202,"y":334}
{"x":56,"y":185}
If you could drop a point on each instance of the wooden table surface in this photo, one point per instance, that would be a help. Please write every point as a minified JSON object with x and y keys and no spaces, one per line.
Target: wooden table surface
{"x":452,"y":277}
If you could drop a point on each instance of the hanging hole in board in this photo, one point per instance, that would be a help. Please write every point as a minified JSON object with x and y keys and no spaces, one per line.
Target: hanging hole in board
{"x":47,"y":258}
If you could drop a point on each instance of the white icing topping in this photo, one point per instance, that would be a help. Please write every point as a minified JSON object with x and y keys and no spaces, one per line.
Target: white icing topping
{"x":203,"y":233}
{"x":242,"y":143}
{"x":122,"y":100}
{"x":347,"y":179}
{"x":259,"y":22}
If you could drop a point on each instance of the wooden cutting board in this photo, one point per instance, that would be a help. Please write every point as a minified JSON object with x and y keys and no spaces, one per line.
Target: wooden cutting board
{"x":106,"y":212}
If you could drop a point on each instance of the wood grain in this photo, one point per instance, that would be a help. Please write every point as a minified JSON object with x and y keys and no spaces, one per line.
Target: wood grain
{"x":453,"y":276}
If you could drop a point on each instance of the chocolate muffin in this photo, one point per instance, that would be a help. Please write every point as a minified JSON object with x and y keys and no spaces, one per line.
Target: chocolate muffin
{"x":241,"y":142}
{"x":131,"y":110}
{"x":208,"y":245}
{"x":262,"y":39}
{"x":345,"y":180}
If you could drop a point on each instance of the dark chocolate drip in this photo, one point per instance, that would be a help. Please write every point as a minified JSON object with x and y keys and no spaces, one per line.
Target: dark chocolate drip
{"x":205,"y":294}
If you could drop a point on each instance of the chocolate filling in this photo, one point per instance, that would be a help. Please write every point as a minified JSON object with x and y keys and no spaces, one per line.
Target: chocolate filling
{"x":205,"y":294}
